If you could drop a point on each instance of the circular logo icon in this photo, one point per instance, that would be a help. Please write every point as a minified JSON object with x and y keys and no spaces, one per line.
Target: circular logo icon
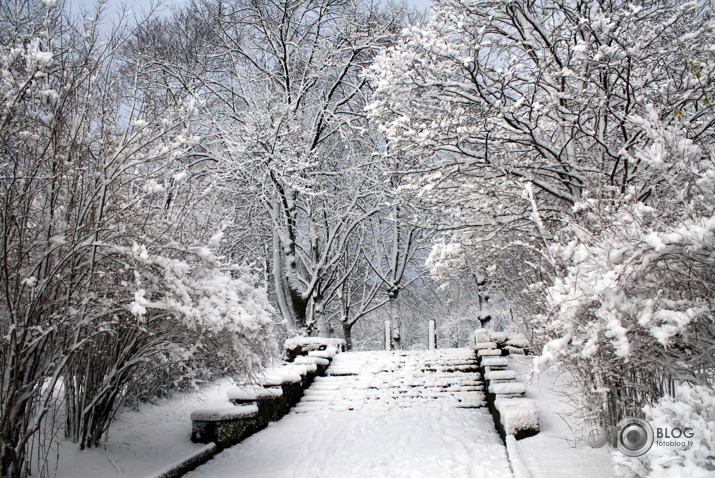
{"x":596,"y":438}
{"x":635,"y":436}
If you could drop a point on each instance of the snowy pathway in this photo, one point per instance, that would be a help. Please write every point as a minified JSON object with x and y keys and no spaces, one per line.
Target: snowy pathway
{"x":380,"y":415}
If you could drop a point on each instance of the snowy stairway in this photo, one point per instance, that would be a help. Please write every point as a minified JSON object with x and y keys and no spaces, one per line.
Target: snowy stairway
{"x":379,"y":414}
{"x":379,"y":380}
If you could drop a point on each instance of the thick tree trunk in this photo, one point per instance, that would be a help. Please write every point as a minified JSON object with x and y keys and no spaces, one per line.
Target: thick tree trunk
{"x":278,"y":280}
{"x":348,"y":334}
{"x":396,"y":322}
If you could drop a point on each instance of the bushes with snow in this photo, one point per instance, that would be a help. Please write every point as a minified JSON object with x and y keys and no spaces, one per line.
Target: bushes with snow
{"x":113,"y":287}
{"x":692,"y":408}
{"x":635,"y":305}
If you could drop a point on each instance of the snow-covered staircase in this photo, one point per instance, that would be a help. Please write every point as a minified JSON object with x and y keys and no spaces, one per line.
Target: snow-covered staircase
{"x":402,"y":379}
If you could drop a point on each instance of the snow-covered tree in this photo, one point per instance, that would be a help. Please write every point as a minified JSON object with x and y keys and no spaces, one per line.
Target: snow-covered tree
{"x":301,"y":144}
{"x":571,"y":143}
{"x":288,"y":131}
{"x":111,"y":289}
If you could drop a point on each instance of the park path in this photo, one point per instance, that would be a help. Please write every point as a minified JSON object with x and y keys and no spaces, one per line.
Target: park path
{"x":378,"y":415}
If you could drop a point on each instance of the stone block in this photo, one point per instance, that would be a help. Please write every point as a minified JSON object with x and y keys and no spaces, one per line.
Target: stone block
{"x":495,"y":362}
{"x":500,"y":375}
{"x":224,"y":426}
{"x":507,"y":388}
{"x":485,"y":345}
{"x":518,"y":417}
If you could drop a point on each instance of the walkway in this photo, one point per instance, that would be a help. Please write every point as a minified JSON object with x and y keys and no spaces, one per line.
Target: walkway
{"x":378,"y":415}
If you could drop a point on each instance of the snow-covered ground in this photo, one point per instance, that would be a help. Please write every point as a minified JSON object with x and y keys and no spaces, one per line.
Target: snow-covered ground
{"x":392,"y":435}
{"x":399,"y":443}
{"x":381,"y":415}
{"x":145,"y":441}
{"x":558,"y":451}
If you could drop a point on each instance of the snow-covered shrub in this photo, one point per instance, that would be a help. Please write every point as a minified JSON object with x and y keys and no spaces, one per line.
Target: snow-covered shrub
{"x":185,"y":319}
{"x":635,"y":305}
{"x":692,"y":408}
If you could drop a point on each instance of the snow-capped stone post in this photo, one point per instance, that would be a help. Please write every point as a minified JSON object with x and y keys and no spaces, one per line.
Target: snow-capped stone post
{"x":388,"y":335}
{"x":432,"y":335}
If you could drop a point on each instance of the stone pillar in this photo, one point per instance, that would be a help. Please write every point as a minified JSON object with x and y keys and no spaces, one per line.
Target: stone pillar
{"x":388,"y":335}
{"x":432,"y":335}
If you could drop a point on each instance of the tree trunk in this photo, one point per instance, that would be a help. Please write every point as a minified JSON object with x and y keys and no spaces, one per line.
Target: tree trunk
{"x":394,"y":317}
{"x":278,"y":280}
{"x":348,"y":334}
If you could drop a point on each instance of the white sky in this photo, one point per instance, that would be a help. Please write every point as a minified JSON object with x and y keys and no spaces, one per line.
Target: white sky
{"x":75,"y":5}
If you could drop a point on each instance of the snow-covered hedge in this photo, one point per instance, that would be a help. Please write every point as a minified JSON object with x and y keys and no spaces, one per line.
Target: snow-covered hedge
{"x":635,"y":304}
{"x":692,"y":409}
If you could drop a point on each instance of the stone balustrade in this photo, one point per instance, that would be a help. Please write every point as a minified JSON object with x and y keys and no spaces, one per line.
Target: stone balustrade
{"x":513,"y":414}
{"x":251,"y":408}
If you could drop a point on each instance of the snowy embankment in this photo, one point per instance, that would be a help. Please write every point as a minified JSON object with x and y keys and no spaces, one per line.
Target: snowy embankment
{"x":559,"y":450}
{"x":146,"y":441}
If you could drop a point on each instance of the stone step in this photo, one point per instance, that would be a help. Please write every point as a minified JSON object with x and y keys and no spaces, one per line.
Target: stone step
{"x":358,"y":380}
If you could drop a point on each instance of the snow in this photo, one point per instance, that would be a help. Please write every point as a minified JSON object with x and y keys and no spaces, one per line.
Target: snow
{"x":278,"y":378}
{"x":143,"y":442}
{"x":377,"y":414}
{"x":500,"y":375}
{"x":390,"y":443}
{"x":303,"y":360}
{"x":495,"y":361}
{"x":216,"y":239}
{"x":481,"y":335}
{"x":485,"y":345}
{"x":687,"y":452}
{"x":390,"y":436}
{"x":517,"y":418}
{"x":517,"y":463}
{"x":328,"y":353}
{"x":228,"y":412}
{"x":502,"y":403}
{"x":252,"y":392}
{"x":507,"y":387}
{"x":518,"y":340}
{"x":211,"y":448}
{"x":153,"y":187}
{"x":313,"y":342}
{"x":558,"y":450}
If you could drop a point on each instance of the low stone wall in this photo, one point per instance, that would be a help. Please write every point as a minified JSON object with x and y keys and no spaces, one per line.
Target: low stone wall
{"x":298,"y":346}
{"x":251,"y":408}
{"x":513,"y":414}
{"x":224,"y":426}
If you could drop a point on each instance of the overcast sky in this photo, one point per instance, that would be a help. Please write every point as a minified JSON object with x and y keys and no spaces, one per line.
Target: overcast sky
{"x":139,"y":4}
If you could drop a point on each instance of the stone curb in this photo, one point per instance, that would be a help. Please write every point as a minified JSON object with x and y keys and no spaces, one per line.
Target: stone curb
{"x":518,"y":467}
{"x":189,"y":463}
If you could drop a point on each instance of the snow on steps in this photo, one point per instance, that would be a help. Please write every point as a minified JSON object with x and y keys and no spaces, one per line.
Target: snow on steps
{"x":378,"y":380}
{"x":515,"y":416}
{"x":254,"y":406}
